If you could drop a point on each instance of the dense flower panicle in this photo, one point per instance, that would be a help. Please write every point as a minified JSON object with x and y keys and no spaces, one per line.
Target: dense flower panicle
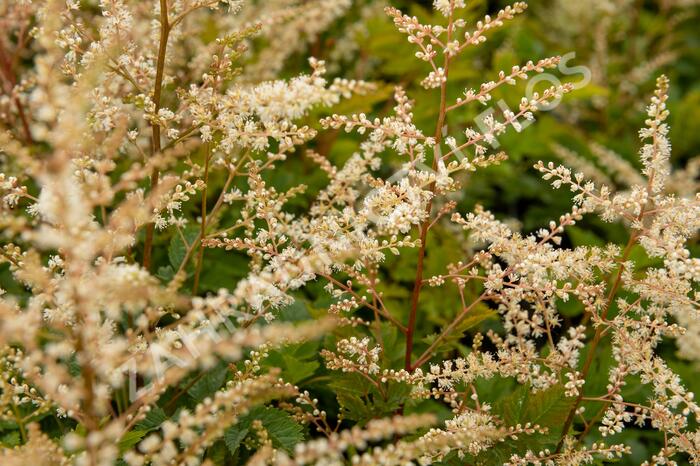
{"x":136,"y":142}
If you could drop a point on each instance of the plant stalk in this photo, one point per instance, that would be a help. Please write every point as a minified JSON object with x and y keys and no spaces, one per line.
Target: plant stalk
{"x":155,"y":127}
{"x":425,"y":226}
{"x":203,"y":227}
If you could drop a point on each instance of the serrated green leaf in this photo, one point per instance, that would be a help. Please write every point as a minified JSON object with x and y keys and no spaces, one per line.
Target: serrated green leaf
{"x":349,"y":383}
{"x":208,"y":384}
{"x":396,"y":396}
{"x":283,"y":430}
{"x":130,"y":439}
{"x":297,"y":362}
{"x":154,"y":418}
{"x":354,"y":408}
{"x":235,"y":434}
{"x":297,"y":370}
{"x":280,"y":426}
{"x":548,"y":408}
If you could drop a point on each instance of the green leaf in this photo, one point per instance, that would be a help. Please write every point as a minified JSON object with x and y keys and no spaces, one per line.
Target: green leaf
{"x":130,"y":439}
{"x":235,"y":434}
{"x":281,"y":427}
{"x":474,"y":317}
{"x":73,"y":366}
{"x":10,"y":439}
{"x":217,"y":453}
{"x":581,"y":237}
{"x":686,"y":137}
{"x":165,"y":273}
{"x":295,"y":312}
{"x":222,"y":270}
{"x":396,"y":395}
{"x":350,"y":383}
{"x":547,"y":408}
{"x":178,"y":249}
{"x":354,"y":408}
{"x":363,"y":103}
{"x":361,"y":401}
{"x":207,"y":385}
{"x":642,"y":260}
{"x":570,"y":308}
{"x":7,"y":424}
{"x":155,"y":417}
{"x":297,"y":362}
{"x":283,"y":430}
{"x":299,"y":370}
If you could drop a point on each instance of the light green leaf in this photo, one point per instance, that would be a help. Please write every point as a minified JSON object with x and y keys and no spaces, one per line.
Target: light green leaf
{"x":130,"y":439}
{"x":10,"y":439}
{"x":178,"y":249}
